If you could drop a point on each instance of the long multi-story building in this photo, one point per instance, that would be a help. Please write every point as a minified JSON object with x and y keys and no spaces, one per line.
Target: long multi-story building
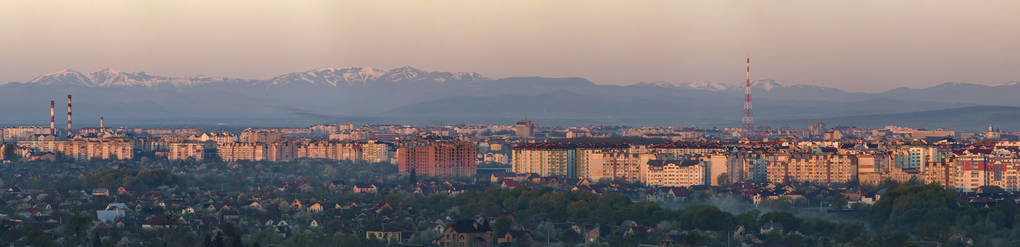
{"x":260,"y":136}
{"x":873,"y":169}
{"x":283,"y":151}
{"x":545,"y":159}
{"x":674,"y":173}
{"x":370,"y":151}
{"x":218,"y":138}
{"x":83,"y":149}
{"x":242,"y":151}
{"x":317,"y":150}
{"x":23,"y":133}
{"x":830,"y":168}
{"x":620,"y":165}
{"x":374,"y":152}
{"x":976,"y":168}
{"x":187,"y":151}
{"x":440,"y":158}
{"x":589,"y":160}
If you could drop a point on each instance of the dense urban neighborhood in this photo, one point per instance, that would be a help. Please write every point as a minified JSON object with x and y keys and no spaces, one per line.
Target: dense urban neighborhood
{"x":513,"y":185}
{"x":526,"y":123}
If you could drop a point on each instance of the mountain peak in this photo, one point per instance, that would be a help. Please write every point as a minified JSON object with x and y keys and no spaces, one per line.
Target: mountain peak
{"x":108,"y":77}
{"x":708,"y":85}
{"x":403,"y":73}
{"x":361,"y":76}
{"x":765,"y":84}
{"x":62,"y":77}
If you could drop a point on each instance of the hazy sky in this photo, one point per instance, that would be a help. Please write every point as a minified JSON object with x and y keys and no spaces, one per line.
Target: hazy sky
{"x":853,"y":45}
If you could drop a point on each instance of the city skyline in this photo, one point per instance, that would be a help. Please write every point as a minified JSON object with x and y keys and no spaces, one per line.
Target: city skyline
{"x":859,"y":46}
{"x":486,"y":123}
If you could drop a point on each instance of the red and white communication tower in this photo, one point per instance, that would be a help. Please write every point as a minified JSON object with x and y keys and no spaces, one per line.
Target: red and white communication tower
{"x":748,"y":120}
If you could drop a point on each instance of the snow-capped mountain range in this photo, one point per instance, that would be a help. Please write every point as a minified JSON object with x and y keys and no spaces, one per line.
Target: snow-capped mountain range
{"x":410,"y":92}
{"x":332,"y":76}
{"x":358,"y":76}
{"x":361,"y":76}
{"x":113,"y":78}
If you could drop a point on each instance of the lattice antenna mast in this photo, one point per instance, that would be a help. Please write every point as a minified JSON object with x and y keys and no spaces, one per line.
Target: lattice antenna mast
{"x":748,"y":120}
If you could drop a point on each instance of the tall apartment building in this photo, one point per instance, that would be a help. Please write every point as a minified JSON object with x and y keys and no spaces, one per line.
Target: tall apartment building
{"x":717,"y":165}
{"x":283,"y":151}
{"x":589,"y":163}
{"x":317,"y":150}
{"x":375,"y":152}
{"x":867,"y":171}
{"x":545,"y":159}
{"x":590,"y":160}
{"x":524,"y":128}
{"x":187,"y":150}
{"x":917,"y":156}
{"x":440,"y":158}
{"x":942,"y":173}
{"x":347,"y":151}
{"x":621,"y":165}
{"x":830,"y":168}
{"x":986,"y":169}
{"x":674,"y":173}
{"x":242,"y":151}
{"x":741,"y":166}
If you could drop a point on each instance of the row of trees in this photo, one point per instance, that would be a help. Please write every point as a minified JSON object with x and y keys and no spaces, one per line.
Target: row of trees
{"x":131,"y":178}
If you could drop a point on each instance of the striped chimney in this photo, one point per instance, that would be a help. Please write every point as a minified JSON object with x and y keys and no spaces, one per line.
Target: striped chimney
{"x":53,"y":126}
{"x":69,"y":132}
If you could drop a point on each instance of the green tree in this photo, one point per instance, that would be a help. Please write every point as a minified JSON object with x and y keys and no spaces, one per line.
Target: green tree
{"x":349,"y":240}
{"x":706,"y":218}
{"x":933,"y":232}
{"x":570,"y":237}
{"x":723,"y":179}
{"x":907,"y":207}
{"x":266,"y":238}
{"x":75,"y":230}
{"x":852,"y":231}
{"x":1005,"y":213}
{"x":790,"y":222}
{"x":38,"y":238}
{"x":838,"y":201}
{"x":523,"y":242}
{"x":693,"y":238}
{"x":10,"y":151}
{"x":96,"y":240}
{"x":218,"y":241}
{"x":502,"y":224}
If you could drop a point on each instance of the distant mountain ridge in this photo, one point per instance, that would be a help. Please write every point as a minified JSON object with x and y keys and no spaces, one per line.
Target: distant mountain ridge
{"x":972,"y":118}
{"x":332,"y":76}
{"x":357,"y":76}
{"x":113,"y":78}
{"x":331,"y":93}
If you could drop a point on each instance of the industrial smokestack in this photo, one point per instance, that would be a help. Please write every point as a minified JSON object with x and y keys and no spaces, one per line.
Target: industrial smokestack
{"x":69,"y":132}
{"x":53,"y":126}
{"x":100,"y":123}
